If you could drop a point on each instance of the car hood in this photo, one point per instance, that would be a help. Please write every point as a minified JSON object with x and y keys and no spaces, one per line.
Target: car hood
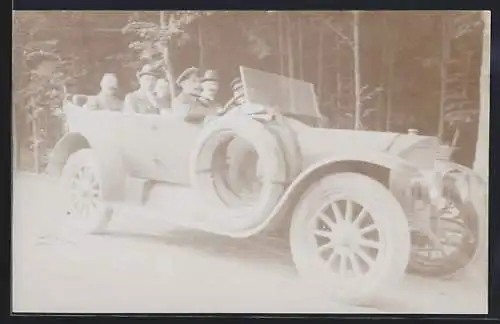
{"x":320,"y":143}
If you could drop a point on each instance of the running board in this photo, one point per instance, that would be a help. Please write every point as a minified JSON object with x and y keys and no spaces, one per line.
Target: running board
{"x":202,"y":221}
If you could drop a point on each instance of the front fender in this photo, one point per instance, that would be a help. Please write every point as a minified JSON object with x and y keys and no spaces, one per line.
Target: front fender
{"x":394,"y":172}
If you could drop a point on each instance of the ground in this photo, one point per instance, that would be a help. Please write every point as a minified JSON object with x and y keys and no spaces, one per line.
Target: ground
{"x":146,"y":265}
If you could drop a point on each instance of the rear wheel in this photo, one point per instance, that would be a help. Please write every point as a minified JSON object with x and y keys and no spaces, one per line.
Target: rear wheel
{"x":350,"y":237}
{"x":81,"y":184}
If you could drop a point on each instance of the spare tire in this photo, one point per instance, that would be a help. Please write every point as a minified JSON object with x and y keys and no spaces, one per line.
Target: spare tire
{"x":289,"y":144}
{"x":242,"y":156}
{"x":233,"y":138}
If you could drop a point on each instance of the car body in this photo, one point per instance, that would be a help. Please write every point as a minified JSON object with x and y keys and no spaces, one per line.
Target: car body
{"x":137,"y":155}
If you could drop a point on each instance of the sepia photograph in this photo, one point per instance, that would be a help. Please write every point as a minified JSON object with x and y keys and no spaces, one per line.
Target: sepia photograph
{"x":331,"y":162}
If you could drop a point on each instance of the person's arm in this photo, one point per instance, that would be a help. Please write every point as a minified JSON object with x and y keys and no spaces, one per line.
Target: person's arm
{"x":188,"y":112}
{"x":91,"y":103}
{"x":128,"y":104}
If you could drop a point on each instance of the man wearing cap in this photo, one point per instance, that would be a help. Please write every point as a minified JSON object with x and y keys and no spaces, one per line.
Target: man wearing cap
{"x":106,"y":99}
{"x":210,"y":87}
{"x":187,"y":104}
{"x":143,"y":100}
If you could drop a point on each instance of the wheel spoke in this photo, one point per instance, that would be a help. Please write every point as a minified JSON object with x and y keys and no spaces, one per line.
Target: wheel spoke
{"x":361,"y":216}
{"x":365,"y":257}
{"x":356,"y":268}
{"x":322,"y":233}
{"x":325,"y":247}
{"x":327,"y":220}
{"x":337,"y":213}
{"x":348,"y":211}
{"x":368,"y":229}
{"x":332,"y":257}
{"x":370,"y":243}
{"x":343,"y":264}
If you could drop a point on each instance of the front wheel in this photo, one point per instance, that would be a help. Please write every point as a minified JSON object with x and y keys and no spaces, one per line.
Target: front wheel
{"x":86,"y":212}
{"x":350,"y":237}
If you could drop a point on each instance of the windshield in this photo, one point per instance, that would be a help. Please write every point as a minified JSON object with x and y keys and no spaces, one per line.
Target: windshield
{"x":288,"y":96}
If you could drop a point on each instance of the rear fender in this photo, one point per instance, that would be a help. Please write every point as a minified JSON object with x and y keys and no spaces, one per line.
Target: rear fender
{"x":110,"y":163}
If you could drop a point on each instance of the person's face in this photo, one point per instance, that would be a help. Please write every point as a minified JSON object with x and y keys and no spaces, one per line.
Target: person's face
{"x":162,"y":89}
{"x":210,"y":87}
{"x":147,"y":82}
{"x":110,"y":88}
{"x":192,"y":85}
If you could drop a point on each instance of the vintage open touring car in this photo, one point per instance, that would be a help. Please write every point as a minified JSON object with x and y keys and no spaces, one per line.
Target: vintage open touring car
{"x":359,"y":208}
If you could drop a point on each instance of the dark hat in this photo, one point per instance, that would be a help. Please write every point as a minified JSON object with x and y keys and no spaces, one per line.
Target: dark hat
{"x":210,"y":75}
{"x":148,"y":69}
{"x":187,"y":73}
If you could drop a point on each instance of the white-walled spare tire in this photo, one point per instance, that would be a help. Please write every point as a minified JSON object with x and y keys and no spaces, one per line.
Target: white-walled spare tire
{"x":287,"y":139}
{"x":209,"y":167}
{"x":350,"y":238}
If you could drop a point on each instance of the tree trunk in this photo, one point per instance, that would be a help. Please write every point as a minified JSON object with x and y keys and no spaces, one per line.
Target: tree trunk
{"x":291,"y":60}
{"x":481,"y":163}
{"x":445,"y":52}
{"x":167,"y":60}
{"x":200,"y":46}
{"x":357,"y":76}
{"x":338,"y":80}
{"x":320,"y":63}
{"x":389,"y":84}
{"x":280,"y":43}
{"x":36,"y":154}
{"x":301,"y":51}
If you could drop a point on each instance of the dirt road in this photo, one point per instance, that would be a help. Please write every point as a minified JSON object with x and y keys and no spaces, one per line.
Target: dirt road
{"x":146,"y":265}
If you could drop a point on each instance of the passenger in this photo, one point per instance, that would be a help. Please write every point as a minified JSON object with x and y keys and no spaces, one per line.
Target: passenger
{"x":238,"y":92}
{"x":187,"y":104}
{"x":106,"y":99}
{"x":210,"y":88}
{"x":143,"y":100}
{"x":162,"y":94}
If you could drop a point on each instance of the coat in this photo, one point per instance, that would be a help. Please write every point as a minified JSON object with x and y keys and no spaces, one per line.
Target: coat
{"x":104,"y":101}
{"x":189,"y":108}
{"x":140,"y":103}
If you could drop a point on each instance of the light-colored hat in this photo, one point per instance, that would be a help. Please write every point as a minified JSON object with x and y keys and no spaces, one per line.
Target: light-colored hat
{"x":148,"y":69}
{"x":109,"y":80}
{"x":187,"y":74}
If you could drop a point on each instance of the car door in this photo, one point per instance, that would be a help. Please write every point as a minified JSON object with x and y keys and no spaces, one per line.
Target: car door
{"x":136,"y":146}
{"x":171,"y":142}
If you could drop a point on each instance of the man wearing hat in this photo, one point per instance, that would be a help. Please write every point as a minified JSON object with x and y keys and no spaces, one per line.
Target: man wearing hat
{"x":187,"y":104}
{"x":210,"y":87}
{"x":106,"y":99}
{"x":143,"y":100}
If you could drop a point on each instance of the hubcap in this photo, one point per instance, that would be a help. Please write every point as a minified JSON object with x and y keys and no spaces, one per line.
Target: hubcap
{"x":347,"y":239}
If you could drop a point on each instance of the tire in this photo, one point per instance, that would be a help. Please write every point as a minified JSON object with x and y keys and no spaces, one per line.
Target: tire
{"x":235,"y":135}
{"x":287,"y":139}
{"x":385,"y":218}
{"x":467,"y":224}
{"x":81,"y":187}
